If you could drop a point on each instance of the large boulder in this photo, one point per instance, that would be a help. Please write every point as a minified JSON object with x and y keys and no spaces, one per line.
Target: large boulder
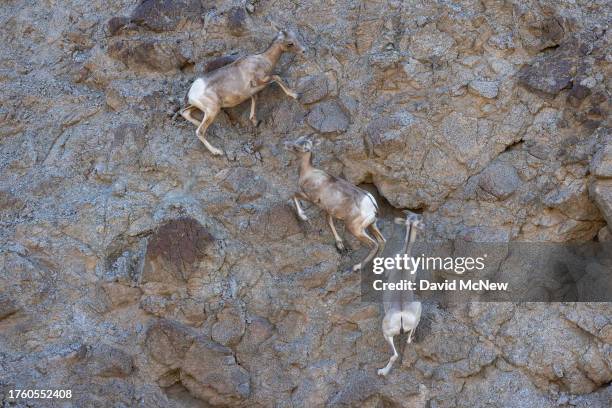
{"x":499,"y":180}
{"x":328,"y":117}
{"x":486,"y":89}
{"x":229,"y":327}
{"x":210,"y":372}
{"x":168,"y":341}
{"x":553,"y":71}
{"x":207,"y":369}
{"x":313,"y":88}
{"x":107,"y":361}
{"x":461,"y":134}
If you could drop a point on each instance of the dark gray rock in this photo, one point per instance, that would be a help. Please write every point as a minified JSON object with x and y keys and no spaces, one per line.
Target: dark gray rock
{"x":237,"y":20}
{"x":277,"y":222}
{"x":549,"y":75}
{"x":328,"y":117}
{"x":219,"y":62}
{"x":313,"y":88}
{"x":500,"y":180}
{"x":115,"y":24}
{"x":361,"y":387}
{"x":106,"y":361}
{"x":553,"y":71}
{"x":147,"y":55}
{"x":577,"y":94}
{"x":389,"y":134}
{"x":601,"y":165}
{"x":243,"y":182}
{"x":166,"y":15}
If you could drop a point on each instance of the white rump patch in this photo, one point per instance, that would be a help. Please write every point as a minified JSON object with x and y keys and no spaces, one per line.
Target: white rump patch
{"x":373,"y":199}
{"x":368,"y":207}
{"x":197,"y":89}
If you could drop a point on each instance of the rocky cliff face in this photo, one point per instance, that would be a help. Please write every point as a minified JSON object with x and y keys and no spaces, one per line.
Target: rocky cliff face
{"x":139,"y":270}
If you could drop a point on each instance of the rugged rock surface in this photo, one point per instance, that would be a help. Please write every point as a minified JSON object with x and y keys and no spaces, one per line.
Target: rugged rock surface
{"x":139,"y":270}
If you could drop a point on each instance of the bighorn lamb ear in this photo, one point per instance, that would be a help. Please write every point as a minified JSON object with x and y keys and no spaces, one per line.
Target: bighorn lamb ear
{"x":315,"y":141}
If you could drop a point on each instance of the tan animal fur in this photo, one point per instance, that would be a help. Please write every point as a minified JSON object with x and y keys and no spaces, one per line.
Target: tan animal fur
{"x":338,"y":198}
{"x":402,"y":312}
{"x":234,"y":83}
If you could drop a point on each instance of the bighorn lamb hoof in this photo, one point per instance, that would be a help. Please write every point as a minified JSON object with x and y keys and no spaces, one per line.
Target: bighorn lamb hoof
{"x":383,"y":372}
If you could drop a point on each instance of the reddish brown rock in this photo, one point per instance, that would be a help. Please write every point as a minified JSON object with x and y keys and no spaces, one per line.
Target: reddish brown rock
{"x":175,"y":250}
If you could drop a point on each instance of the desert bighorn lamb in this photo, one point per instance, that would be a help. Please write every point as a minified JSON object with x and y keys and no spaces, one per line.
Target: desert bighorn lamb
{"x":401,"y":310}
{"x":232,"y":84}
{"x":339,"y":198}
